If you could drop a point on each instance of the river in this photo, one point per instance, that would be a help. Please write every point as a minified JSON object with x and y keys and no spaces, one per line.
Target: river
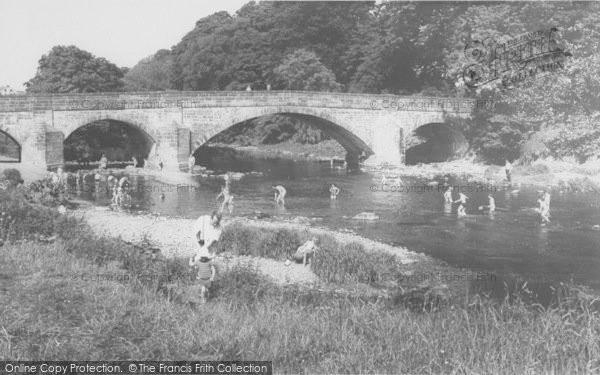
{"x":511,"y":243}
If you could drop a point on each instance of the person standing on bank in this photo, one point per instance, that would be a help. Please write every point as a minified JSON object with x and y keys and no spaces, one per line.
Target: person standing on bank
{"x":191,"y":162}
{"x":206,"y":272}
{"x":207,"y":231}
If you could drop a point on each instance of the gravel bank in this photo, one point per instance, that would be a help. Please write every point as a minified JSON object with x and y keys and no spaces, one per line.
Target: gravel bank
{"x":173,"y":237}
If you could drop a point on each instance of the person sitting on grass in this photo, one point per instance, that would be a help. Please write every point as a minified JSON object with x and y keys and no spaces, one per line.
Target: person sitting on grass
{"x":206,"y":272}
{"x":305,"y":251}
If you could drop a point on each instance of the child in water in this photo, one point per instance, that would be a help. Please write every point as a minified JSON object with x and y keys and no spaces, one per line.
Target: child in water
{"x":460,"y":212}
{"x":448,"y":195}
{"x":334,"y":190}
{"x":279,"y":194}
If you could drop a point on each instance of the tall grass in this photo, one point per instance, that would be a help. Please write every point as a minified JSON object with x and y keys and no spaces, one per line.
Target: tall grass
{"x":333,"y":262}
{"x":352,"y":263}
{"x":240,"y":239}
{"x":47,"y":314}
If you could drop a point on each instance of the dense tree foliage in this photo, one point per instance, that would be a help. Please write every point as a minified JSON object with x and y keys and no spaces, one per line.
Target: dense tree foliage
{"x":302,"y":70}
{"x":150,"y":74}
{"x":407,"y":48}
{"x":70,"y":69}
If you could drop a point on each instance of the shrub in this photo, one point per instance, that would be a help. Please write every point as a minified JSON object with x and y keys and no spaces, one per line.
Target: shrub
{"x":241,"y":239}
{"x":46,"y":193}
{"x":539,"y":168}
{"x":11,"y":175}
{"x":20,"y":220}
{"x":352,"y":263}
{"x":280,"y":244}
{"x":242,"y":284}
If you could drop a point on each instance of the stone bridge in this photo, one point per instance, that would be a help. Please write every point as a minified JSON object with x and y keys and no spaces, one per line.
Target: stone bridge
{"x":177,"y":122}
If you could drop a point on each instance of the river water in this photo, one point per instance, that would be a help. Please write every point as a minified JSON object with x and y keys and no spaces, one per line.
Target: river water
{"x":512,"y":244}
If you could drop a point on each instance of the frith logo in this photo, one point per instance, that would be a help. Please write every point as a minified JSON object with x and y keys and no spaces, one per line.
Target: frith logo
{"x":514,"y":60}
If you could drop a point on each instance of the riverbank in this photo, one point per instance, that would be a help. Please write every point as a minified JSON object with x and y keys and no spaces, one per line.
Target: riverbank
{"x":540,"y":174}
{"x":323,"y":151}
{"x":170,"y":235}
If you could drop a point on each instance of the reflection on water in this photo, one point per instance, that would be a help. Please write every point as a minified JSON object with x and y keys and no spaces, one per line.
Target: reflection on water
{"x":511,"y":241}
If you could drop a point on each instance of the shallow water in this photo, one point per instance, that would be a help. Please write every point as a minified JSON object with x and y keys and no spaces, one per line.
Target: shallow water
{"x":510,"y":243}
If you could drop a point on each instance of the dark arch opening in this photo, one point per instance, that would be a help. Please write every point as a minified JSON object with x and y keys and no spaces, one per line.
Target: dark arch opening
{"x":118,"y":140}
{"x":434,"y":143}
{"x":274,"y":129}
{"x":10,"y":149}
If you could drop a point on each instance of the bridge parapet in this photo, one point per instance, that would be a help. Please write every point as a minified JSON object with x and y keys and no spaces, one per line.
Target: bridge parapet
{"x":212,"y":99}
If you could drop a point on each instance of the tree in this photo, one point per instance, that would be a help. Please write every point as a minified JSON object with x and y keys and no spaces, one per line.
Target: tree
{"x":302,"y":70}
{"x":151,"y":74}
{"x":70,"y":69}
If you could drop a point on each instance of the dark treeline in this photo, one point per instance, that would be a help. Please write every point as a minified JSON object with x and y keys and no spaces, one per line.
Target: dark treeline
{"x":405,"y":48}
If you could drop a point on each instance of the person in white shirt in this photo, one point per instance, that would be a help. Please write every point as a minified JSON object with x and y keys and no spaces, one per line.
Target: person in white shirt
{"x":206,"y":231}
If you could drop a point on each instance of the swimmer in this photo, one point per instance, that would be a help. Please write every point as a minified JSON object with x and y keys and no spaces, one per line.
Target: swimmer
{"x":134,"y":161}
{"x":334,"y":190}
{"x":491,"y":206}
{"x":227,"y":197}
{"x":460,"y":212}
{"x":508,"y":170}
{"x":544,"y":207}
{"x":448,"y":195}
{"x":123,"y":196}
{"x":546,"y":198}
{"x":461,"y":208}
{"x":462,"y":198}
{"x":398,"y":182}
{"x":279,"y":194}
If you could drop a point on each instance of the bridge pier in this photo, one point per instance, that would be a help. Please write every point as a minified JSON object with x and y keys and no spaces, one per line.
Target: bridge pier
{"x":387,"y":146}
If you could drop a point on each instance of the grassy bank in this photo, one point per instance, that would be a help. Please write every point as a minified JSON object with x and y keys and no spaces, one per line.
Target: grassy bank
{"x":55,"y":306}
{"x":89,"y":297}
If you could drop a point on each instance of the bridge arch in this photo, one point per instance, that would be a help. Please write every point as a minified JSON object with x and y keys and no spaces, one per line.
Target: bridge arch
{"x":10,"y":148}
{"x":434,"y":142}
{"x":118,"y":139}
{"x":351,"y":137}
